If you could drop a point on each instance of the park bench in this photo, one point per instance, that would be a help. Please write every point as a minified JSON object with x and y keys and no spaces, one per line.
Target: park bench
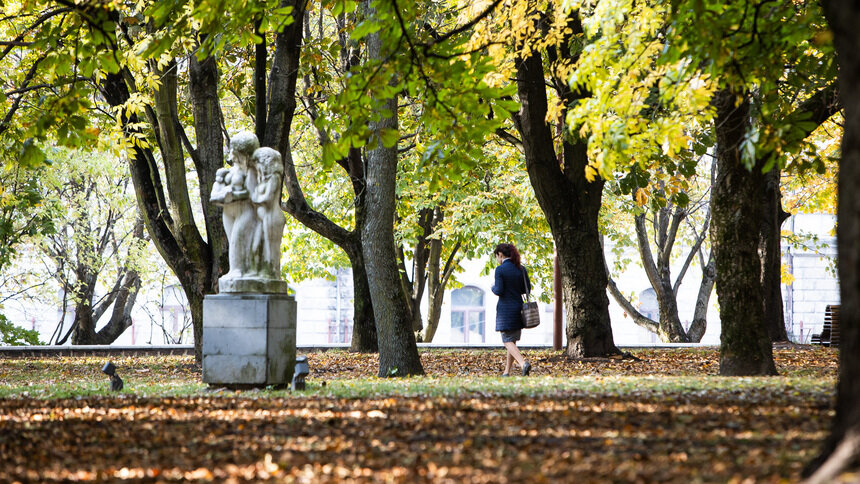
{"x":829,"y":335}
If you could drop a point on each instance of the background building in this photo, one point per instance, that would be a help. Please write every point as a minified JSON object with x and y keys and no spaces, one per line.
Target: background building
{"x":325,"y":306}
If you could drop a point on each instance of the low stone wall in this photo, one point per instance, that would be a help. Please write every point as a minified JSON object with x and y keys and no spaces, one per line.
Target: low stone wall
{"x":83,"y":350}
{"x":43,"y":351}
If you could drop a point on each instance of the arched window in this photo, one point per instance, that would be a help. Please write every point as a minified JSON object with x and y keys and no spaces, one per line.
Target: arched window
{"x":648,"y":304}
{"x":467,"y":315}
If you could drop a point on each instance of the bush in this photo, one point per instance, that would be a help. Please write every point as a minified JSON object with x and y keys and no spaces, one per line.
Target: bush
{"x":11,"y":335}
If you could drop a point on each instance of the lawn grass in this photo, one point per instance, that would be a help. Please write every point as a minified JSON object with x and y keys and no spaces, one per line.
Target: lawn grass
{"x":340,"y":374}
{"x":666,"y":418}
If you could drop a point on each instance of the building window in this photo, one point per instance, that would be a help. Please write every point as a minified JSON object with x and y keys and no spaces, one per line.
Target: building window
{"x":649,"y":308}
{"x":340,"y":332}
{"x":467,"y":315}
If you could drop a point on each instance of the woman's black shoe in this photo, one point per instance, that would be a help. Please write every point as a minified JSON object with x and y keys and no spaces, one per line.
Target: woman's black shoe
{"x":527,"y":368}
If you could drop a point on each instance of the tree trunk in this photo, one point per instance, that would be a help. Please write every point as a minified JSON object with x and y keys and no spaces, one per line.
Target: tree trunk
{"x":700,"y":314}
{"x":669,"y":329}
{"x":770,"y":255}
{"x":427,"y":273}
{"x":282,"y":85}
{"x":435,"y":298}
{"x":818,"y":108}
{"x":745,"y":348}
{"x":420,"y":259}
{"x":363,"y":325}
{"x":85,"y":327}
{"x":583,"y":286}
{"x":87,"y":317}
{"x":670,"y":322}
{"x":174,"y":248}
{"x":120,"y":319}
{"x":571,"y":204}
{"x":398,"y":353}
{"x":195,"y":295}
{"x":437,"y":280}
{"x":208,"y":158}
{"x":842,"y":448}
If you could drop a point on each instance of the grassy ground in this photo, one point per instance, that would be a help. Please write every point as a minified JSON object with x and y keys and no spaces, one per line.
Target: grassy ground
{"x":665,"y":418}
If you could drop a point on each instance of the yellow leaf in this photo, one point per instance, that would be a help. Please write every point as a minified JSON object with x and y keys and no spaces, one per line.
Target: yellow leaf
{"x":641,"y":197}
{"x":785,"y":275}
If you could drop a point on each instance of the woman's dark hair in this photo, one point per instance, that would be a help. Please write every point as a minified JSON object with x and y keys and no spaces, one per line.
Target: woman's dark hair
{"x":510,"y":251}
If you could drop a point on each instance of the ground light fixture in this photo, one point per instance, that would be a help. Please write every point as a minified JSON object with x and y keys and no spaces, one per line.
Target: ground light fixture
{"x":115,"y":381}
{"x":302,"y":370}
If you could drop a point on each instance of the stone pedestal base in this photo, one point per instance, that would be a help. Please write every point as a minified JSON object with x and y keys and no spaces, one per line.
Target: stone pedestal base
{"x":249,"y":339}
{"x":252,"y":285}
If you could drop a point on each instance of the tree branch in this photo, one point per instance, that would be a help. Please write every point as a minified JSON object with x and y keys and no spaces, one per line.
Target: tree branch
{"x":622,"y":301}
{"x":16,"y":42}
{"x":700,"y":238}
{"x":510,"y":138}
{"x":645,"y":252}
{"x":4,"y":125}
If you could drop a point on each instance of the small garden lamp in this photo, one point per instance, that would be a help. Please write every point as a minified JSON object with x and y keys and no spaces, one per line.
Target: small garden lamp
{"x":302,"y":370}
{"x":115,"y":381}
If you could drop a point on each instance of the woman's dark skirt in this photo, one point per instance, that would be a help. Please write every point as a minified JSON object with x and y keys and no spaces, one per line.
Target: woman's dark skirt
{"x":511,"y":336}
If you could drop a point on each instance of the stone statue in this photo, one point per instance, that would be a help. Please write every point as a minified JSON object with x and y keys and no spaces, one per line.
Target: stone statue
{"x":266,"y":198}
{"x":249,"y":192}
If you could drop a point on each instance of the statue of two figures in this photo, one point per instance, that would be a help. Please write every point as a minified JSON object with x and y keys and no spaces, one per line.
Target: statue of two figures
{"x":250,"y":193}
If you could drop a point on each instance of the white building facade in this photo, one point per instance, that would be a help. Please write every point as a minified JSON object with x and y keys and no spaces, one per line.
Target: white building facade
{"x":325,"y":307}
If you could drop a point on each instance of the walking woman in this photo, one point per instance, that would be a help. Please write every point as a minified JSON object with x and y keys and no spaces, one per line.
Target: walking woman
{"x":512,"y":281}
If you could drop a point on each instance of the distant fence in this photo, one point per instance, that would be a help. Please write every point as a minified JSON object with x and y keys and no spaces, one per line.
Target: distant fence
{"x":95,"y":350}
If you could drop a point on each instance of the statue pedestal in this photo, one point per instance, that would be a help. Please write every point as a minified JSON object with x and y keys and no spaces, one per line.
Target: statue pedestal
{"x":249,"y":339}
{"x":253,"y":285}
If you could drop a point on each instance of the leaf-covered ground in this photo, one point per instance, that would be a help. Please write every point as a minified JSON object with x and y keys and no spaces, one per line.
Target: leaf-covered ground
{"x":667,"y":418}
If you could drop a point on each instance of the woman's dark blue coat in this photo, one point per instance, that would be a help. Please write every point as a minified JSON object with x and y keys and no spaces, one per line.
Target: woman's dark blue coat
{"x":510,"y":285}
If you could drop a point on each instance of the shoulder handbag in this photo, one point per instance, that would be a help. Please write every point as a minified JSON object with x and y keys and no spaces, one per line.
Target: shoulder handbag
{"x":530,"y":311}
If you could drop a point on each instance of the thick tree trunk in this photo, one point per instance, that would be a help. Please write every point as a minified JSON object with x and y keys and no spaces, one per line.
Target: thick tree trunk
{"x":583,"y":286}
{"x":745,"y":348}
{"x":571,"y":204}
{"x":85,"y":327}
{"x":670,"y":322}
{"x":770,"y":255}
{"x":282,"y":82}
{"x":174,"y":248}
{"x":197,"y":279}
{"x":282,"y":86}
{"x":208,"y":158}
{"x":195,"y":295}
{"x":398,"y":353}
{"x":842,"y":448}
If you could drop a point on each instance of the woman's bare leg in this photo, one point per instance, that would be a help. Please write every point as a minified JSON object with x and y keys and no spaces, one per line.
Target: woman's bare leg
{"x":509,"y":361}
{"x":515,"y":353}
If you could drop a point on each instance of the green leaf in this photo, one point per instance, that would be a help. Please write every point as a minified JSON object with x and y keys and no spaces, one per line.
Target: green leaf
{"x":389,"y":137}
{"x":364,"y":29}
